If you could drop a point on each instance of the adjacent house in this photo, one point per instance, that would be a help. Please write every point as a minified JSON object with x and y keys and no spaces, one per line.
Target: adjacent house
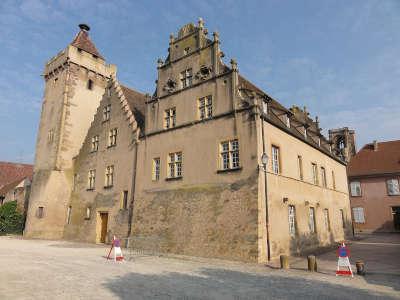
{"x":15,"y":183}
{"x":374,"y":174}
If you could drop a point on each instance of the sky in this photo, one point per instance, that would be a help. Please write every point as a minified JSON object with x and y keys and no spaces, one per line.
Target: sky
{"x":338,"y":58}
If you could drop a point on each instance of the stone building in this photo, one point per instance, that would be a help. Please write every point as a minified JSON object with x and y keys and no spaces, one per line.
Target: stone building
{"x":210,"y":165}
{"x":374,"y":174}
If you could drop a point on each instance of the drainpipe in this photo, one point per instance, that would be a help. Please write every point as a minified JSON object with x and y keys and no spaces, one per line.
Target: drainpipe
{"x":265,"y":190}
{"x":130,"y":214}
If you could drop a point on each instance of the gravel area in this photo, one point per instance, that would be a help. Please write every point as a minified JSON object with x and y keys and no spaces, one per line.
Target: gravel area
{"x":37,"y":269}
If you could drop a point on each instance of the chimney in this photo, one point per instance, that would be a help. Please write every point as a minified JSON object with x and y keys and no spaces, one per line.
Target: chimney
{"x":375,"y":145}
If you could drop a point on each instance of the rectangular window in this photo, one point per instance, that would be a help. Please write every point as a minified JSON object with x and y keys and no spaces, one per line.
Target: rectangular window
{"x":342,"y":217}
{"x":156,"y":168}
{"x":112,"y":137}
{"x":109,"y":176}
{"x":229,"y":155}
{"x":292,"y":220}
{"x":393,"y":187}
{"x":40,"y":212}
{"x":88,"y":212}
{"x":50,"y":136}
{"x":311,"y":220}
{"x":333,"y":180}
{"x":175,"y":165}
{"x":314,"y":173}
{"x":358,"y":215}
{"x":95,"y":143}
{"x":69,"y":210}
{"x":355,"y":188}
{"x":205,"y":107}
{"x":275,"y":160}
{"x":75,"y":182}
{"x":125,"y":200}
{"x":90,"y":84}
{"x":170,"y":118}
{"x":300,"y":166}
{"x":91,"y":179}
{"x":106,"y":112}
{"x":186,"y":78}
{"x":326,"y":220}
{"x":323,"y":177}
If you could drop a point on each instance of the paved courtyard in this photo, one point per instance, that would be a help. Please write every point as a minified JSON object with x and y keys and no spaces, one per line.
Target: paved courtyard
{"x":35,"y":269}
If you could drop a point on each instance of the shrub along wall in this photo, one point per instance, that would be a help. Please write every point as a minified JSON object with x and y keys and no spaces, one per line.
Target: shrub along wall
{"x":11,"y":220}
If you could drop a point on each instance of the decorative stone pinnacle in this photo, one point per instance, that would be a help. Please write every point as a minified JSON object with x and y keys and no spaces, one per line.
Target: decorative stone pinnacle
{"x":216,"y":36}
{"x":201,"y":23}
{"x":171,"y":38}
{"x":160,"y":62}
{"x":234,"y":64}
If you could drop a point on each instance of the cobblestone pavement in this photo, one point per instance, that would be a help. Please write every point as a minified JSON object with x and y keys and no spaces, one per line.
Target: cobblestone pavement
{"x":36,"y":269}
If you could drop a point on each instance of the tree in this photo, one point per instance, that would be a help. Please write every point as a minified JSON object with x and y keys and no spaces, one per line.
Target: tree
{"x":11,"y":221}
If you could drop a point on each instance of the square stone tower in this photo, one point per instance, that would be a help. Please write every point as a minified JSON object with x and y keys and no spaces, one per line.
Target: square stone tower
{"x":75,"y":81}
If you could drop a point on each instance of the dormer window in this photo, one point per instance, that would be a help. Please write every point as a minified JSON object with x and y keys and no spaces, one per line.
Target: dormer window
{"x":265,"y":107}
{"x":186,"y":78}
{"x":90,"y":84}
{"x":287,"y":121}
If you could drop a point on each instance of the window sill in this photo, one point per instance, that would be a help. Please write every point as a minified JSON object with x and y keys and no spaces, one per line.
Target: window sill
{"x":105,"y":121}
{"x":356,"y":196}
{"x":173,"y":178}
{"x":90,"y":189}
{"x":393,"y":195}
{"x":93,"y":151}
{"x":108,"y":187}
{"x":229,"y":170}
{"x":111,"y":146}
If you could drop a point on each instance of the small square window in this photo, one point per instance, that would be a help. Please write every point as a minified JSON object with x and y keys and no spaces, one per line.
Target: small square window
{"x":355,"y":189}
{"x":393,"y":187}
{"x":90,"y":84}
{"x":40,"y":212}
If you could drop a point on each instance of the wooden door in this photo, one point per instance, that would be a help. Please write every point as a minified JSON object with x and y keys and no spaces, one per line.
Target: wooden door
{"x":103,"y":232}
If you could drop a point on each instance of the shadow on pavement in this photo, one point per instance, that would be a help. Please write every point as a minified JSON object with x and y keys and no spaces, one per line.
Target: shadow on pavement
{"x":227,"y":284}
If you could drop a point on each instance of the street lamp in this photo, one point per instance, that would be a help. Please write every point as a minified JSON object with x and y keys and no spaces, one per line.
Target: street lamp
{"x":264,"y":161}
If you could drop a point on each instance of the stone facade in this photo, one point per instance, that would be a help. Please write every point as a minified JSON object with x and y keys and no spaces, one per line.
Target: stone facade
{"x":188,"y":166}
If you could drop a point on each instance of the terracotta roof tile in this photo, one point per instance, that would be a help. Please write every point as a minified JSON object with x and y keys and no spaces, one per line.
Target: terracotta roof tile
{"x":11,"y":172}
{"x":82,"y":41}
{"x":386,"y":159}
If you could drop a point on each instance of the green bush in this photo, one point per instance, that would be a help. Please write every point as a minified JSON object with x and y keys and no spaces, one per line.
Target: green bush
{"x":11,"y":221}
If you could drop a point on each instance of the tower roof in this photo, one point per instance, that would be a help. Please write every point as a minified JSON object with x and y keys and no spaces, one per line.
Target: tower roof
{"x":82,"y":41}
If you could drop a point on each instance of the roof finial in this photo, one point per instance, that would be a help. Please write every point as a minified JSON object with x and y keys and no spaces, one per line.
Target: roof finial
{"x":84,"y":27}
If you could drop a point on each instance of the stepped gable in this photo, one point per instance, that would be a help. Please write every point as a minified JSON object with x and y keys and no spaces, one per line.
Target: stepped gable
{"x":137,"y":104}
{"x":82,"y":41}
{"x":383,"y":158}
{"x":12,"y":172}
{"x":133,"y":103}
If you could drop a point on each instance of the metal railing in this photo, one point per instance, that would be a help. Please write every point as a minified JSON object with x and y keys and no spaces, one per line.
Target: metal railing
{"x":143,"y":246}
